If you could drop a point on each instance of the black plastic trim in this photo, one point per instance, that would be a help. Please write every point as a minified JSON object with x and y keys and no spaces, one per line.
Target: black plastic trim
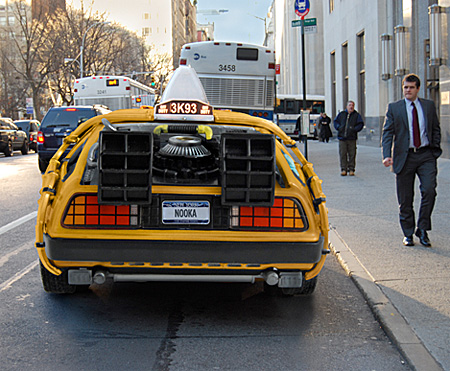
{"x":183,"y":251}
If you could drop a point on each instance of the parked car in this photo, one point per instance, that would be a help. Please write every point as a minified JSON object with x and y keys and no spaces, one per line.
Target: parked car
{"x":57,"y":124}
{"x":181,"y":192}
{"x":12,"y":138}
{"x":31,"y":127}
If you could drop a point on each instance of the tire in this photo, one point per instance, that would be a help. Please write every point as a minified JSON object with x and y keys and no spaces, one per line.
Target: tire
{"x":308,"y":287}
{"x":9,"y":149}
{"x":24,"y":148}
{"x":43,"y":164}
{"x":56,"y":284}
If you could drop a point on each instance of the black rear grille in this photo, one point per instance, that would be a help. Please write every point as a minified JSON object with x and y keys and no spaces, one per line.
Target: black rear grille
{"x":248,"y":169}
{"x":151,"y":215}
{"x":125,"y":168}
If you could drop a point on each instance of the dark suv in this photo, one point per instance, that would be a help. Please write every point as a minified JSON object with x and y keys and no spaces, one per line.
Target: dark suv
{"x":12,"y":138}
{"x":31,"y":127}
{"x":57,"y":124}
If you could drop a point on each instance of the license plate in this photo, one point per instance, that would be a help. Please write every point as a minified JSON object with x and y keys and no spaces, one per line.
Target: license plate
{"x":185,"y":212}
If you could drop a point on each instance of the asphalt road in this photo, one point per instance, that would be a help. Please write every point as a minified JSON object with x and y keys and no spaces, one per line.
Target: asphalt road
{"x":176,"y":326}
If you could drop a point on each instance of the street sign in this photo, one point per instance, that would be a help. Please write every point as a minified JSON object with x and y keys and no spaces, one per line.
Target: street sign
{"x":310,"y":25}
{"x":29,"y":106}
{"x":301,"y":8}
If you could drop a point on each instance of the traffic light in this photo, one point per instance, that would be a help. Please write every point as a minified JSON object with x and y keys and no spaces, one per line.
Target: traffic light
{"x":153,"y":83}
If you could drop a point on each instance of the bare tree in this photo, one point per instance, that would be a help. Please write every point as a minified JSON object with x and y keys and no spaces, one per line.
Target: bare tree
{"x":32,"y":47}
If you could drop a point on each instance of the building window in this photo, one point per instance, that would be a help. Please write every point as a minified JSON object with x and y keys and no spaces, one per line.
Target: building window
{"x":331,"y":5}
{"x":361,"y":65}
{"x":145,"y":31}
{"x":345,"y":74}
{"x":333,"y":83}
{"x":146,"y":16}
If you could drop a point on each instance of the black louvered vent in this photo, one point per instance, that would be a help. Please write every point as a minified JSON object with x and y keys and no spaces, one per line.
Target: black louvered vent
{"x":248,"y":169}
{"x":125,"y":168}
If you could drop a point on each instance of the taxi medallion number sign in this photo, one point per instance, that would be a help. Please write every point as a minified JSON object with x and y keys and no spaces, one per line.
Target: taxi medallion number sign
{"x":183,"y":108}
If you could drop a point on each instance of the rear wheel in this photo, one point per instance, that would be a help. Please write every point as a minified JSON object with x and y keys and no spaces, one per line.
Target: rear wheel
{"x":24,"y":148}
{"x":42,"y":165}
{"x":56,"y":284}
{"x":9,"y":149}
{"x":307,"y":288}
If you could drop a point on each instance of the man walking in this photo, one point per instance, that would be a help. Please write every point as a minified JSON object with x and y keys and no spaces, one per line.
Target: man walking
{"x":348,"y":123}
{"x":412,"y":132}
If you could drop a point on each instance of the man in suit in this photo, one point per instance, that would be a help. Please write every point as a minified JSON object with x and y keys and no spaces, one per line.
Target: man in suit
{"x":412,"y":132}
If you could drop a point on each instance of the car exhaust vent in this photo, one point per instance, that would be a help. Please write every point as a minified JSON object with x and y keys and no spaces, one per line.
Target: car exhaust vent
{"x":125,"y":168}
{"x":248,"y":169}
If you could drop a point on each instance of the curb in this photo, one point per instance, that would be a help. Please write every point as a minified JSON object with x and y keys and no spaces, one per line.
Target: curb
{"x":392,"y":322}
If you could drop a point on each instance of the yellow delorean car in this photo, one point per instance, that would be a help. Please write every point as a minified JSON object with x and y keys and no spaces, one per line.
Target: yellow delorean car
{"x":181,"y":192}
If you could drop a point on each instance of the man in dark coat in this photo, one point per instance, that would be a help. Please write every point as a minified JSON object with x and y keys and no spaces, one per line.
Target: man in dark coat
{"x":324,"y":124}
{"x":412,"y":132}
{"x":348,"y":123}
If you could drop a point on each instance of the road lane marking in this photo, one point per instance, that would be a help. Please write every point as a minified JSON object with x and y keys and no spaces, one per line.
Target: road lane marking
{"x":5,"y":258}
{"x":7,"y":284}
{"x":18,"y":222}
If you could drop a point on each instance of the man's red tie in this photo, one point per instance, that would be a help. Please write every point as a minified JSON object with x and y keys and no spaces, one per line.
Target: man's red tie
{"x":416,"y":130}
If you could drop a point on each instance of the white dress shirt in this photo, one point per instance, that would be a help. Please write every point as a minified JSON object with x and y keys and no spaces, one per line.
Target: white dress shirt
{"x":422,"y":124}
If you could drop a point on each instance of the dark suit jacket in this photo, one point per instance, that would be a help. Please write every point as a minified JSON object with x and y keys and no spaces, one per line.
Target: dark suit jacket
{"x":396,"y":131}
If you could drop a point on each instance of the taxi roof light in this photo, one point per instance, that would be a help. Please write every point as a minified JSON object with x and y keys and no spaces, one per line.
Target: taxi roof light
{"x":184,"y":98}
{"x":184,"y":85}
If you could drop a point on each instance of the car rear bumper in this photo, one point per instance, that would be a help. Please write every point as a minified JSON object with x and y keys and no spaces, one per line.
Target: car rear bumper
{"x":143,"y":251}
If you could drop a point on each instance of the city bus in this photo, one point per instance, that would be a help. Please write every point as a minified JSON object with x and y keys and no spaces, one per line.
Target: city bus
{"x":235,"y":76}
{"x":115,"y":92}
{"x":288,"y":108}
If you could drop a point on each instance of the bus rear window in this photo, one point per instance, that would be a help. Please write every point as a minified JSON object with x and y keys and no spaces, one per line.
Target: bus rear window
{"x":246,"y":54}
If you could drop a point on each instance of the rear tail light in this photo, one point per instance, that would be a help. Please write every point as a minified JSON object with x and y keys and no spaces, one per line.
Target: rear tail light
{"x":71,"y":109}
{"x":183,"y":62}
{"x":285,"y":214}
{"x":271,"y":66}
{"x":40,"y":137}
{"x":85,"y":212}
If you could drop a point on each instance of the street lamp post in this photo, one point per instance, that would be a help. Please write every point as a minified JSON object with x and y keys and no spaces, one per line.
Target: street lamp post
{"x":82,"y":45}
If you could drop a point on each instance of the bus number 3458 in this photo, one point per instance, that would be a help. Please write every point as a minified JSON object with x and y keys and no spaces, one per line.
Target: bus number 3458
{"x":227,"y":67}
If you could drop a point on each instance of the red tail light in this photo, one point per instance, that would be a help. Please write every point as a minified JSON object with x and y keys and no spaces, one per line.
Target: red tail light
{"x":40,"y":137}
{"x":85,"y":212}
{"x":271,"y":66}
{"x":285,"y":214}
{"x":183,"y":62}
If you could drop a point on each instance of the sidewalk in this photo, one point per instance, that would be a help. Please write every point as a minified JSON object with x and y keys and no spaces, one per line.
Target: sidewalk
{"x":408,"y":288}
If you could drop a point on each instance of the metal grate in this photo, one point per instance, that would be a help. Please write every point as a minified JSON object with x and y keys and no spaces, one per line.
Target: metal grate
{"x":235,"y":92}
{"x":248,"y":169}
{"x":125,"y":168}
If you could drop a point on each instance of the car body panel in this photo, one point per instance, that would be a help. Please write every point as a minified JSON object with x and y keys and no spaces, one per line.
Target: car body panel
{"x":151,"y":247}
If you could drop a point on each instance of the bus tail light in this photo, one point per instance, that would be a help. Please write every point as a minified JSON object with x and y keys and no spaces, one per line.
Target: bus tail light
{"x":183,"y":62}
{"x":85,"y":212}
{"x":285,"y":214}
{"x":40,"y":137}
{"x":271,"y":66}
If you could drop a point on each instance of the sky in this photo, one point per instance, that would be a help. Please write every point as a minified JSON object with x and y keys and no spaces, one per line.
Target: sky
{"x":239,"y":23}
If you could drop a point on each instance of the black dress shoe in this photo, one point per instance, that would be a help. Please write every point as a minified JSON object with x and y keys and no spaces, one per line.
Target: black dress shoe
{"x":408,"y":241}
{"x":423,"y":237}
